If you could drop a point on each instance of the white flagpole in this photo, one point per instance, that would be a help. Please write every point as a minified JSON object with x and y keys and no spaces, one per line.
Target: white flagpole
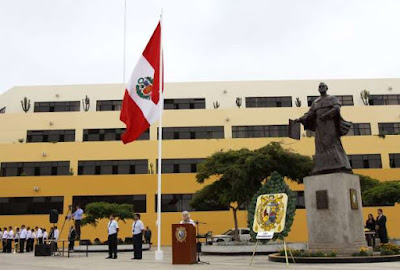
{"x":159,"y":255}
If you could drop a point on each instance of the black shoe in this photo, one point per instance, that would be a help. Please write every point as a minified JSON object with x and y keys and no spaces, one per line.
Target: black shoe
{"x":115,"y":257}
{"x":109,"y":257}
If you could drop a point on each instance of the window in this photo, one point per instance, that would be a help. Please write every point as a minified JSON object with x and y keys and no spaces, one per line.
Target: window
{"x":345,"y":100}
{"x":57,"y":106}
{"x":65,"y":135}
{"x":109,"y":134}
{"x":108,"y":105}
{"x":184,"y":103}
{"x":35,"y":168}
{"x":181,"y":202}
{"x":389,"y":128}
{"x":190,"y":133}
{"x":384,"y":100}
{"x":185,"y":165}
{"x":260,"y":131}
{"x":30,"y":205}
{"x":359,"y":129}
{"x":300,"y":202}
{"x":259,"y":102}
{"x":365,"y":161}
{"x":3,"y":110}
{"x":394,"y":160}
{"x":138,"y":201}
{"x":93,"y":167}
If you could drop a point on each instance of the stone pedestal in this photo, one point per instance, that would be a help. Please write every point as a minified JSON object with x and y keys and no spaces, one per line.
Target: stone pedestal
{"x":334,"y":213}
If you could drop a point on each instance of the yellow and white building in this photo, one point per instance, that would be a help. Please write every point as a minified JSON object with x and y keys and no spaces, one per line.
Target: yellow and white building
{"x":58,"y":153}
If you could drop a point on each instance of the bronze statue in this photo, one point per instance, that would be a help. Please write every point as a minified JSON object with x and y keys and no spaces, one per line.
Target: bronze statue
{"x":324,"y":118}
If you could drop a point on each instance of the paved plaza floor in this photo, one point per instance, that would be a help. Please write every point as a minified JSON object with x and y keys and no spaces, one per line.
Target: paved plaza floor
{"x":97,"y":261}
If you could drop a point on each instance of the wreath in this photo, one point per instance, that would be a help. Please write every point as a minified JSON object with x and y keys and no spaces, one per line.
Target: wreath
{"x":274,"y":185}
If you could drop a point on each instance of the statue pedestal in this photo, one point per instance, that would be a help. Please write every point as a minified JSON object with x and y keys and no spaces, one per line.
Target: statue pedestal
{"x":334,"y":213}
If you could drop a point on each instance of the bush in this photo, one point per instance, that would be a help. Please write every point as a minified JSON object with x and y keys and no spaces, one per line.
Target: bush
{"x":364,"y":251}
{"x":96,"y":211}
{"x":386,"y":193}
{"x":305,"y":253}
{"x":389,"y":249}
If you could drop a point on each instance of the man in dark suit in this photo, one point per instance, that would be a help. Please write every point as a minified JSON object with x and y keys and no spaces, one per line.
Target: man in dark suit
{"x":381,"y":227}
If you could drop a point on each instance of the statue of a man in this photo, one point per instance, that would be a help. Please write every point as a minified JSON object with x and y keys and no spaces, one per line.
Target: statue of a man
{"x":324,"y":118}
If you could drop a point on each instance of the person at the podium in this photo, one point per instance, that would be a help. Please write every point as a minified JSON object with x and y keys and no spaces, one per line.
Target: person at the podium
{"x":186,"y":219}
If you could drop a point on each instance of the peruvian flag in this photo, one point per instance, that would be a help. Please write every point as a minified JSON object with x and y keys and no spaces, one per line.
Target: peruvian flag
{"x":142,"y":100}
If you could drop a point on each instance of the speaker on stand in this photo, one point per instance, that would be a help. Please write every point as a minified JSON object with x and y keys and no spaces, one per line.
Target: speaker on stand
{"x":53,"y":216}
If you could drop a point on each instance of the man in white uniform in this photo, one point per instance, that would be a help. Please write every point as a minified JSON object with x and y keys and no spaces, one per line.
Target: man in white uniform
{"x":10,"y":239}
{"x":28,"y":239}
{"x":137,"y":231}
{"x":34,"y":237}
{"x":22,"y":238}
{"x":112,"y":238}
{"x":39,"y":235}
{"x":4,"y":239}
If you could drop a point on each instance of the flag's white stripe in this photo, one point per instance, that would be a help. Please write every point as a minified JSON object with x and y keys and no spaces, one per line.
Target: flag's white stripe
{"x":148,"y":108}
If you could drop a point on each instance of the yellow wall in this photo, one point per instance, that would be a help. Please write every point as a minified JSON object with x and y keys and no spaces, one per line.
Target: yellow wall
{"x":14,"y":126}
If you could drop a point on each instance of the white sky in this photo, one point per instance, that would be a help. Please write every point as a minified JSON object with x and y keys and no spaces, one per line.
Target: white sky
{"x":81,"y":41}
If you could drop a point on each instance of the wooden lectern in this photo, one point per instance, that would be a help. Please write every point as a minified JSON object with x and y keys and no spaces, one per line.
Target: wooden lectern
{"x":183,"y":244}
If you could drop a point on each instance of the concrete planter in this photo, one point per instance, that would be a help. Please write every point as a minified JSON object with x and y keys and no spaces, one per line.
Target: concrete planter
{"x":366,"y":259}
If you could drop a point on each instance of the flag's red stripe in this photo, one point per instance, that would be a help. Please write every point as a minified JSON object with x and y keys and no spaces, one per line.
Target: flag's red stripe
{"x":152,"y":55}
{"x":134,"y":119}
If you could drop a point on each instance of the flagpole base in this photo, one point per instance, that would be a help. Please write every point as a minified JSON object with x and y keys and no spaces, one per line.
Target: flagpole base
{"x":159,"y":255}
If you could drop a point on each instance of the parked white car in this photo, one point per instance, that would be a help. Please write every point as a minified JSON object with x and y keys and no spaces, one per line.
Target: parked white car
{"x":244,"y":235}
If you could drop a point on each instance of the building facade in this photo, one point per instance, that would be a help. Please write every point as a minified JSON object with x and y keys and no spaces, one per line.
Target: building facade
{"x":57,"y":149}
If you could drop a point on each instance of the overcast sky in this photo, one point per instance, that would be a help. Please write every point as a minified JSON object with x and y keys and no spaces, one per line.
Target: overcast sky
{"x":81,"y":41}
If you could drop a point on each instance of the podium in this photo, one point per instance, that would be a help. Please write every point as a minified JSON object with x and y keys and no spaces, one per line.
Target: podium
{"x":183,"y":244}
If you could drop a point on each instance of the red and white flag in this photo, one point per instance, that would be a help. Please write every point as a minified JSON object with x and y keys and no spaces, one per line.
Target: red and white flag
{"x":142,"y":100}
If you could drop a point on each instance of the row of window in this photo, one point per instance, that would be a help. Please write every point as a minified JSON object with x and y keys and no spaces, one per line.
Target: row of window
{"x":200,"y":103}
{"x":169,"y":203}
{"x":188,"y":133}
{"x":141,"y":166}
{"x":97,"y":167}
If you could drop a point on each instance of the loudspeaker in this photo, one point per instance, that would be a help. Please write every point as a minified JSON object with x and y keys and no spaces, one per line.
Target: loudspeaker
{"x":53,"y":216}
{"x":42,"y":250}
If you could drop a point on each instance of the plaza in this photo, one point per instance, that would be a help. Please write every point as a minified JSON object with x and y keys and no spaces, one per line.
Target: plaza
{"x":97,"y":261}
{"x":266,"y":124}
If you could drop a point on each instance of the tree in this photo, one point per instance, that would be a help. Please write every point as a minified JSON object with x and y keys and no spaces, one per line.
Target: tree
{"x":384,"y":194}
{"x":99,"y":210}
{"x":239,"y":174}
{"x":274,"y":185}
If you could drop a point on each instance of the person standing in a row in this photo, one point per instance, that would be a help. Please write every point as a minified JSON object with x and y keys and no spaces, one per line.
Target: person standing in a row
{"x":45,"y":236}
{"x":4,"y":239}
{"x":16,"y":240}
{"x":28,"y":239}
{"x":112,"y":238}
{"x":39,"y":235}
{"x":22,"y":238}
{"x":137,"y":231}
{"x":32,"y":240}
{"x":10,"y":239}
